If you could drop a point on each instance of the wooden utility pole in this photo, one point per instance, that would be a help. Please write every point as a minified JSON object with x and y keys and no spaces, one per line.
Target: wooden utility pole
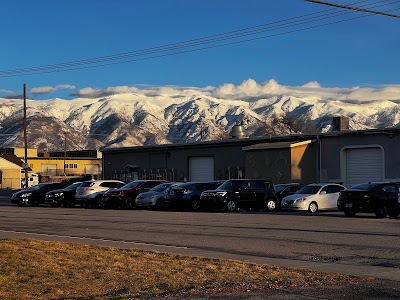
{"x":26,"y":165}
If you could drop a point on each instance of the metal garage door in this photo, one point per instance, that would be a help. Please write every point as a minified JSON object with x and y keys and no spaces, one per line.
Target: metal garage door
{"x":201,"y":168}
{"x":363,"y":165}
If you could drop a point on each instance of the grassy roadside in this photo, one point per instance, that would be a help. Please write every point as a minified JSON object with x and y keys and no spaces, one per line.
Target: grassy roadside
{"x":32,"y":269}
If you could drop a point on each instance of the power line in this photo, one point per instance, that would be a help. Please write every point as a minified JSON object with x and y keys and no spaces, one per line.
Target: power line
{"x":354,"y":8}
{"x":181,"y":47}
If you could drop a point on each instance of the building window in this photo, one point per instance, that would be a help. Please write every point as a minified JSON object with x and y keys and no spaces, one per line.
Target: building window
{"x":71,"y":166}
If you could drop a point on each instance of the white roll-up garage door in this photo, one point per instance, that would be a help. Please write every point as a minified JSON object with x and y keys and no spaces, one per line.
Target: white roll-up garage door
{"x":363,"y":165}
{"x":201,"y":168}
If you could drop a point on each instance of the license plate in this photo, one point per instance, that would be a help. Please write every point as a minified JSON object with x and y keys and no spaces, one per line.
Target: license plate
{"x":349,"y":204}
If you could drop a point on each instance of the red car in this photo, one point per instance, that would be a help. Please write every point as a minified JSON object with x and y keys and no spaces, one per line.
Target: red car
{"x":125,"y":196}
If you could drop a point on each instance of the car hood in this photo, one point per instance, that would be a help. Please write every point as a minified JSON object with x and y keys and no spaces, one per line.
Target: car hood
{"x":19,"y":193}
{"x":55,"y":191}
{"x":149,"y":194}
{"x":297,"y":196}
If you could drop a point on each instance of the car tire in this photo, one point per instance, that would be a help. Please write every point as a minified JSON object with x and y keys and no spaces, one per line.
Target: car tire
{"x":68,"y":202}
{"x":349,"y":213}
{"x":313,"y":207}
{"x":160,"y":204}
{"x":34,"y":203}
{"x":394,"y":214}
{"x":271,"y":205}
{"x":195,"y":204}
{"x":381,"y":212}
{"x":230,"y":205}
{"x":129,"y":203}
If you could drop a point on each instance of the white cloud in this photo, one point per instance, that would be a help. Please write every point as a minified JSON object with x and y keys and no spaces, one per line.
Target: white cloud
{"x":50,"y":89}
{"x":249,"y":90}
{"x":3,"y":91}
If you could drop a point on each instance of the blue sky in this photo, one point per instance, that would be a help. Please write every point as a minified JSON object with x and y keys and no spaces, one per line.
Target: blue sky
{"x":363,"y":52}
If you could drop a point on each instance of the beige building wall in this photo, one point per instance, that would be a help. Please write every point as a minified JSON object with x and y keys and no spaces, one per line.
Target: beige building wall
{"x":11,"y":175}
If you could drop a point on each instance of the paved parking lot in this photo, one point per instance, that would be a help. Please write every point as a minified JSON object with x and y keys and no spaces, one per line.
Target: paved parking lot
{"x":362,"y":245}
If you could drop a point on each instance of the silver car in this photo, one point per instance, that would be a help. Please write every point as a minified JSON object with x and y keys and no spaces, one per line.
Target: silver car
{"x":314,"y":197}
{"x":89,"y":193}
{"x":155,"y":198}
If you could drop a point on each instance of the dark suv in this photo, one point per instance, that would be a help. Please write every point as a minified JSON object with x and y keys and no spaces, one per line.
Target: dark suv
{"x":282,"y":190}
{"x":381,"y":198}
{"x":244,"y":193}
{"x":35,"y":194}
{"x":187,"y":195}
{"x":125,"y":196}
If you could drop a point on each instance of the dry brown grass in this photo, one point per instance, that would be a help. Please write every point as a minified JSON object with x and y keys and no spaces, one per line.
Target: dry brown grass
{"x":32,"y":269}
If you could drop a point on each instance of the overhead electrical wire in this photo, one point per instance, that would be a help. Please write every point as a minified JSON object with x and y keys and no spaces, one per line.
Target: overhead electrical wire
{"x":181,"y":47}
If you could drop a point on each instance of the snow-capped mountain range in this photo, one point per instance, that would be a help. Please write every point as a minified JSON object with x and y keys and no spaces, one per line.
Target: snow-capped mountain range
{"x":130,"y":116}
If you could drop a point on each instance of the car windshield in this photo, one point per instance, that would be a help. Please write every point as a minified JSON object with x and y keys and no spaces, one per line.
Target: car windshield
{"x":161,"y":187}
{"x":364,"y":186}
{"x":309,"y":189}
{"x":37,"y":187}
{"x":87,"y":184}
{"x":73,"y":186}
{"x":188,"y":185}
{"x":229,"y":185}
{"x":279,"y":188}
{"x":132,"y":184}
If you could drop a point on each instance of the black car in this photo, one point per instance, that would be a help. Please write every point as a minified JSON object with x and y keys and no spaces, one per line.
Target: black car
{"x":282,"y":190}
{"x":380,"y":198}
{"x":249,"y":194}
{"x":64,"y":197}
{"x":35,"y":194}
{"x":187,"y":195}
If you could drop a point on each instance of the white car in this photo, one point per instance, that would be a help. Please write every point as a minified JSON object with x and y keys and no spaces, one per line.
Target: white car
{"x":314,"y":197}
{"x":89,"y":193}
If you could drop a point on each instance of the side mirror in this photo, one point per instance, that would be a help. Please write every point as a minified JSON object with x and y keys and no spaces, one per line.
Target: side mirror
{"x":322,"y":193}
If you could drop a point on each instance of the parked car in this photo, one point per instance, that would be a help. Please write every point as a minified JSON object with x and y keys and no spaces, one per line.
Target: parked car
{"x":64,"y":197}
{"x":380,"y":198}
{"x":35,"y":194}
{"x":155,"y":197}
{"x":89,"y":193}
{"x":314,"y":197}
{"x":244,"y":193}
{"x":124,"y":197}
{"x":282,"y":190}
{"x":187,"y":195}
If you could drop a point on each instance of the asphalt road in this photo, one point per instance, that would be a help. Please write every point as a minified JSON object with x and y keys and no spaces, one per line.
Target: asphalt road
{"x":328,"y":241}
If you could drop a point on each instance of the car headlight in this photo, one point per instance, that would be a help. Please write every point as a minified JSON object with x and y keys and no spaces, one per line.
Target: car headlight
{"x":58,"y":194}
{"x":301,"y":200}
{"x":153,"y":197}
{"x":26,"y":195}
{"x":221,"y":194}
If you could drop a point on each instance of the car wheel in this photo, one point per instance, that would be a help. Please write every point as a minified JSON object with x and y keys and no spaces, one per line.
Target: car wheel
{"x":271,"y":205}
{"x":68,"y":202}
{"x":349,"y":213}
{"x":160,"y":204}
{"x":313,"y":207}
{"x":231,"y":206}
{"x":381,"y":212}
{"x":34,"y":203}
{"x":129,"y":203}
{"x":195,"y":204}
{"x":393,"y":214}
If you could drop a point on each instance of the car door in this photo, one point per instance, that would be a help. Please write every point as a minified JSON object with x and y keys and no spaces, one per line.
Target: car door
{"x":332,"y":195}
{"x":246,"y":192}
{"x":391,"y":195}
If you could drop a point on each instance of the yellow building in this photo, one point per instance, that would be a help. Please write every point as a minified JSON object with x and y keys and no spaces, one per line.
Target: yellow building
{"x":11,"y":172}
{"x":55,"y":166}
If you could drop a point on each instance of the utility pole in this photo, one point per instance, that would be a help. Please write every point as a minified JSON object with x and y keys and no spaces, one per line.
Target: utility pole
{"x":26,"y":165}
{"x":65,"y":151}
{"x":353,"y":8}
